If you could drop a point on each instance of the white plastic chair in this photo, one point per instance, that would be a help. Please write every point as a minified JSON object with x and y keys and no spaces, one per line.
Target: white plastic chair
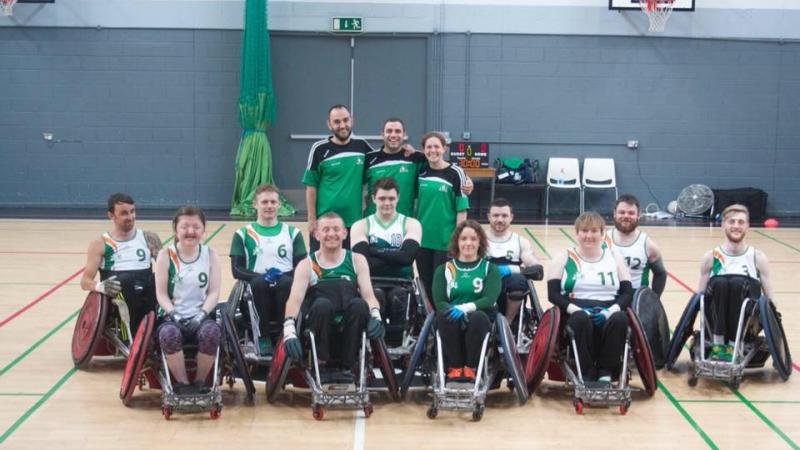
{"x":598,"y":173}
{"x":562,"y":173}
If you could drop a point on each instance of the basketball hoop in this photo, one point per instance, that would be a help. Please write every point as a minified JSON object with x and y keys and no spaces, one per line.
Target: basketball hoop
{"x":7,"y":7}
{"x":658,"y":12}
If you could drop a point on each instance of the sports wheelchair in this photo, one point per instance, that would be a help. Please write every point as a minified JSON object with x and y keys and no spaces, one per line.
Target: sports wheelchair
{"x":332,"y":394}
{"x":554,"y":353}
{"x":102,"y":329}
{"x":146,"y":363}
{"x":750,"y":350}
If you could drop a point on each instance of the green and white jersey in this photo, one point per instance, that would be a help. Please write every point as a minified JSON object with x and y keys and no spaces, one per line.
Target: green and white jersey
{"x":187,"y":282}
{"x":635,"y":256}
{"x":388,"y":235}
{"x":268,"y":247}
{"x":505,"y":252}
{"x":588,"y":280}
{"x":439,"y":199}
{"x":133,"y":254}
{"x":465,"y":284}
{"x":337,"y":171}
{"x":742,"y":264}
{"x":343,"y":270}
{"x":404,"y":170}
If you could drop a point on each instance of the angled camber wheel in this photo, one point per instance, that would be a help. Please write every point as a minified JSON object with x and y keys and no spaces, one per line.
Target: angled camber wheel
{"x":511,"y":358}
{"x":536,"y":306}
{"x":424,"y":296}
{"x":416,"y":356}
{"x":642,"y":354}
{"x":775,"y":337}
{"x":137,"y":357}
{"x":233,"y":349}
{"x":381,"y":358}
{"x":235,"y":298}
{"x":277,"y":371}
{"x":541,"y":351}
{"x":651,"y":314}
{"x":88,"y":330}
{"x":683,"y":331}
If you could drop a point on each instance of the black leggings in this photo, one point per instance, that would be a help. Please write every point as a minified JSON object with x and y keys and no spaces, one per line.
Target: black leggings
{"x":138,"y":290}
{"x":462,"y":343}
{"x":427,"y":262}
{"x":726,"y":295}
{"x":599,"y":348}
{"x":327,"y":300}
{"x":270,"y":301}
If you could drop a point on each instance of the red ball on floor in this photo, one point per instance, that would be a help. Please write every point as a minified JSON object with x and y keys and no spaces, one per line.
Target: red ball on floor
{"x":771,"y":223}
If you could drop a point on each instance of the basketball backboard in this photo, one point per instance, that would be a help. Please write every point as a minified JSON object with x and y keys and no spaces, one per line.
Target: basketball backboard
{"x":680,"y":5}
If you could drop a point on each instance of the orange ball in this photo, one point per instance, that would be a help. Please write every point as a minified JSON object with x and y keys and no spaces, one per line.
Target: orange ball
{"x":771,"y":223}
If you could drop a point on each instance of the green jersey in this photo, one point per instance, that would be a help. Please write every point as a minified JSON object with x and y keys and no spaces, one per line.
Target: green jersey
{"x":344,"y":270}
{"x":439,"y":200}
{"x":268,"y":247}
{"x":404,"y":170}
{"x":337,"y":171}
{"x":456,"y":282}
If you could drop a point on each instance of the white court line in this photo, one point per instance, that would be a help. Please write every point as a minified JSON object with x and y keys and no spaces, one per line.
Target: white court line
{"x":358,"y":433}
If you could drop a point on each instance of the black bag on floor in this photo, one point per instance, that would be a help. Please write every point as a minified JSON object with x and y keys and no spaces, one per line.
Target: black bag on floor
{"x":755,"y":199}
{"x":514,"y":170}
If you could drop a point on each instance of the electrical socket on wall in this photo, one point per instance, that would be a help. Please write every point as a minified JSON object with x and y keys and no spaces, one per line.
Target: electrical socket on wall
{"x":633,"y":144}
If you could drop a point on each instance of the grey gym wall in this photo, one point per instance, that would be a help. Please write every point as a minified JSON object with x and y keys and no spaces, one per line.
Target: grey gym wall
{"x":153,"y":112}
{"x":718,"y":112}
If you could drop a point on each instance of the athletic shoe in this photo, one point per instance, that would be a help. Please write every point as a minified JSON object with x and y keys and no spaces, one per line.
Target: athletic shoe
{"x":454,"y":373}
{"x":200,"y":387}
{"x":469,"y":373}
{"x":717,"y":353}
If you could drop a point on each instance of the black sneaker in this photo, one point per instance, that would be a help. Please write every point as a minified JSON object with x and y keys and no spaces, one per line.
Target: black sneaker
{"x":182,"y":388}
{"x":200,"y":387}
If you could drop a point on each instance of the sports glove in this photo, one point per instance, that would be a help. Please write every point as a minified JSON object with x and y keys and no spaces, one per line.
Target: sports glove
{"x":110,"y":286}
{"x":290,"y":342}
{"x":193,"y":324}
{"x":375,"y":329}
{"x":459,"y":312}
{"x":504,"y":270}
{"x":273,"y":275}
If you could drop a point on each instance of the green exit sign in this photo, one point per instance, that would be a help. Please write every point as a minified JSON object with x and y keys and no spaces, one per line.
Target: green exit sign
{"x":347,"y":24}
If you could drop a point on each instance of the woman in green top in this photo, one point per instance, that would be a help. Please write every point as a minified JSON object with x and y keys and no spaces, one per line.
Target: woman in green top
{"x":441,"y":205}
{"x":465,"y":289}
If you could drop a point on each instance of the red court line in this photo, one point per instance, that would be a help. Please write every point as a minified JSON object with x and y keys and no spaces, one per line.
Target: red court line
{"x":675,"y":279}
{"x":40,"y":298}
{"x":685,"y":286}
{"x":36,"y":252}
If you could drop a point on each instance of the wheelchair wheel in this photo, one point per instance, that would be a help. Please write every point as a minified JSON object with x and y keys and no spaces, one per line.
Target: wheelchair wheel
{"x":424,"y":296}
{"x":235,"y":298}
{"x":233,"y":349}
{"x":416,"y":357}
{"x":775,"y":337}
{"x":683,"y":331}
{"x":536,"y":306}
{"x":651,"y":314}
{"x":137,"y":357}
{"x":380,"y":357}
{"x":88,"y":330}
{"x":642,"y":354}
{"x":511,"y":358}
{"x":541,"y":351}
{"x":277,"y":371}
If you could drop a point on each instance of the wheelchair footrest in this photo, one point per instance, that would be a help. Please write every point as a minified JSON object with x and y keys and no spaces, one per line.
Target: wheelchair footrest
{"x":601,"y":394}
{"x":718,"y":370}
{"x":192,"y":402}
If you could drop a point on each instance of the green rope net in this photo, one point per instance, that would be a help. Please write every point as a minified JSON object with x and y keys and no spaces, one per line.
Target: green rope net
{"x":256,"y":111}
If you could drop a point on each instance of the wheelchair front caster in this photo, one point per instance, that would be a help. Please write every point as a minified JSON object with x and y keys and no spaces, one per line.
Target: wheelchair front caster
{"x":432,"y":412}
{"x":317,"y":412}
{"x":477,"y":413}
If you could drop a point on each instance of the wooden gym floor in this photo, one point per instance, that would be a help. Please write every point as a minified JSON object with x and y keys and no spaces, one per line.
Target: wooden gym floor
{"x":44,"y":401}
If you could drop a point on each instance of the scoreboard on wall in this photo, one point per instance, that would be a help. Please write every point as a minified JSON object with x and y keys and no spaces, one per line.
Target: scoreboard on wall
{"x":470,"y":155}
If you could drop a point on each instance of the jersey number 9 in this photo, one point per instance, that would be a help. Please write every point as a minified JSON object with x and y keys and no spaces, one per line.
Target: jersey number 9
{"x":203,"y":279}
{"x":477,"y":283}
{"x":141,"y":254}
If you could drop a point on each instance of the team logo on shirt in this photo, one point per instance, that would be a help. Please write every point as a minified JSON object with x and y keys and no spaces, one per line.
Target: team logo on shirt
{"x":359,"y":162}
{"x":403,"y":169}
{"x":442,"y":188}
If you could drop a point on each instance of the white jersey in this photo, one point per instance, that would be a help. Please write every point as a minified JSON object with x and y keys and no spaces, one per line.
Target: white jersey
{"x":268,"y":247}
{"x":507,"y":251}
{"x":587,"y":280}
{"x":388,"y":236}
{"x":187,"y":283}
{"x":742,"y":264}
{"x":635,"y":256}
{"x":133,"y":254}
